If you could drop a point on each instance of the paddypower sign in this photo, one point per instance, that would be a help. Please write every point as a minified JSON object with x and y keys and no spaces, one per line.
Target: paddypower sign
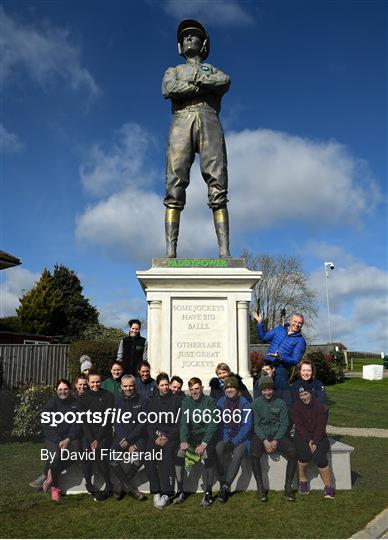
{"x":199,"y":263}
{"x":204,"y":263}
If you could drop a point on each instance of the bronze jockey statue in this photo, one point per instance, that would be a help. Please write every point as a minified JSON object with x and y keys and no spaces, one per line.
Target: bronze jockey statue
{"x":195,"y":90}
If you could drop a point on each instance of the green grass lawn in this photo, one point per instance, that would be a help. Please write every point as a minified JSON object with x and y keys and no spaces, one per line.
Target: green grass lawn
{"x":28,"y":514}
{"x":359,"y":403}
{"x":359,"y":362}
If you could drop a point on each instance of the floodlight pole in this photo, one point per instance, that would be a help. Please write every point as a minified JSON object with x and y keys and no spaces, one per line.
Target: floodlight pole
{"x":328,"y":265}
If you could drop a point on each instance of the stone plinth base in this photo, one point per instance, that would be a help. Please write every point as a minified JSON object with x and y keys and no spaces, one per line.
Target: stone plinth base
{"x":273,"y":467}
{"x":198,"y":316}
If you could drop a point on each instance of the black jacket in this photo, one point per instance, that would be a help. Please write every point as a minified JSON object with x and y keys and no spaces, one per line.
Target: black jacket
{"x":64,"y":429}
{"x":97,"y":402}
{"x":169,"y":425}
{"x":133,"y":430}
{"x":133,"y":349}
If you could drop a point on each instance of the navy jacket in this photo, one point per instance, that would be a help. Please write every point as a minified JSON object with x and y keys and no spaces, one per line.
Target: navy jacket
{"x":132,"y":430}
{"x":291,"y":347}
{"x":146,"y":389}
{"x":64,"y":429}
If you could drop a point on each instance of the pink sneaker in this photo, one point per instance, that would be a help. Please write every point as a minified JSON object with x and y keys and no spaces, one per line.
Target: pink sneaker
{"x":47,"y":483}
{"x":55,"y":494}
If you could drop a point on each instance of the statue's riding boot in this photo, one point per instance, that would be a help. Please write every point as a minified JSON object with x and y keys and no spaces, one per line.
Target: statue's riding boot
{"x":221,"y":223}
{"x":290,"y":473}
{"x":172,"y":218}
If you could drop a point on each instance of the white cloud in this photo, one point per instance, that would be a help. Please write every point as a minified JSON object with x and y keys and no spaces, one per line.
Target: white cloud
{"x":9,"y":142}
{"x":274,"y":175}
{"x":15,"y":283}
{"x":222,"y":12}
{"x":121,"y":164}
{"x":45,"y":54}
{"x":271,"y":175}
{"x":117,"y":314}
{"x":358,"y":300}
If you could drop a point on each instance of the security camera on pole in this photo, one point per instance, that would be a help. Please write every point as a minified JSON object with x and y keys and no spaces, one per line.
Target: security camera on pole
{"x":328,"y":265}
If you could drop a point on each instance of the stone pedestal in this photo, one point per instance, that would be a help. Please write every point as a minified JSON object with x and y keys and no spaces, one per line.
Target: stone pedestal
{"x":198,"y":316}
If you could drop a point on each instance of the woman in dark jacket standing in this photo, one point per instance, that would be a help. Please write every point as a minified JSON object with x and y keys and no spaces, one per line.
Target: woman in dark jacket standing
{"x":63,"y":436}
{"x":310,"y":439}
{"x":163,"y":434}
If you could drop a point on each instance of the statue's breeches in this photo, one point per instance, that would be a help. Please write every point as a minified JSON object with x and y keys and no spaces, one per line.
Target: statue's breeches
{"x":196,"y":129}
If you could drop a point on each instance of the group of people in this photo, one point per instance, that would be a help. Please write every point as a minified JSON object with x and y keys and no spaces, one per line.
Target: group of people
{"x":217,"y":429}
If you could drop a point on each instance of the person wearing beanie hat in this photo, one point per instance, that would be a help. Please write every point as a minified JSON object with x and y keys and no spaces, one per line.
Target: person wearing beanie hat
{"x":235,"y":428}
{"x":312,"y":444}
{"x":281,"y":386}
{"x":265,"y":382}
{"x":231,"y":382}
{"x":270,"y":421}
{"x":86,"y":363}
{"x":216,"y":384}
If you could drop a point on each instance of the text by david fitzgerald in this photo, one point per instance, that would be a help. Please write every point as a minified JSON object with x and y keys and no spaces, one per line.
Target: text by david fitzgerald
{"x":97,"y":455}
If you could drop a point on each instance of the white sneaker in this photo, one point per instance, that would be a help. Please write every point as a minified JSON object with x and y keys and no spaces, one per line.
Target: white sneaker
{"x":164,"y":501}
{"x":157,"y":500}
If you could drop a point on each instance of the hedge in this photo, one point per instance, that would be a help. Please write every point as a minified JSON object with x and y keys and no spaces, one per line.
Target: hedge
{"x":329,"y":367}
{"x":28,"y":408}
{"x":101,"y":353}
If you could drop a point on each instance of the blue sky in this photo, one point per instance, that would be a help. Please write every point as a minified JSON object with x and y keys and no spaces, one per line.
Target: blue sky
{"x":84,"y":129}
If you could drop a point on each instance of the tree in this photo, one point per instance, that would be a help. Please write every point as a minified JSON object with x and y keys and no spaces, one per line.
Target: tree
{"x":283,"y":285}
{"x":40,"y":308}
{"x":77,"y":312}
{"x":99,"y":332}
{"x":56,"y":306}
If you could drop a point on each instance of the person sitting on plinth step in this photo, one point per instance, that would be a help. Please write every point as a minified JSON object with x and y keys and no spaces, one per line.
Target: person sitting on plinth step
{"x":113,"y":383}
{"x":236,"y":425}
{"x":79,"y":387}
{"x":197,"y":432}
{"x":97,"y":436}
{"x":163,"y":435}
{"x":129,"y":437}
{"x":65,"y":435}
{"x":270,"y":423}
{"x":310,"y":439}
{"x":217,"y":383}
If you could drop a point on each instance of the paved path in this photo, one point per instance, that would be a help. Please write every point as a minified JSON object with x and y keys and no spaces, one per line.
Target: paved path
{"x":358,"y":432}
{"x":377,"y":528}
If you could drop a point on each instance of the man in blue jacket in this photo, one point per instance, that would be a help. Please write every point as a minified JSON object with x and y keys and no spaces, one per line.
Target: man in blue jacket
{"x":287,"y":345}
